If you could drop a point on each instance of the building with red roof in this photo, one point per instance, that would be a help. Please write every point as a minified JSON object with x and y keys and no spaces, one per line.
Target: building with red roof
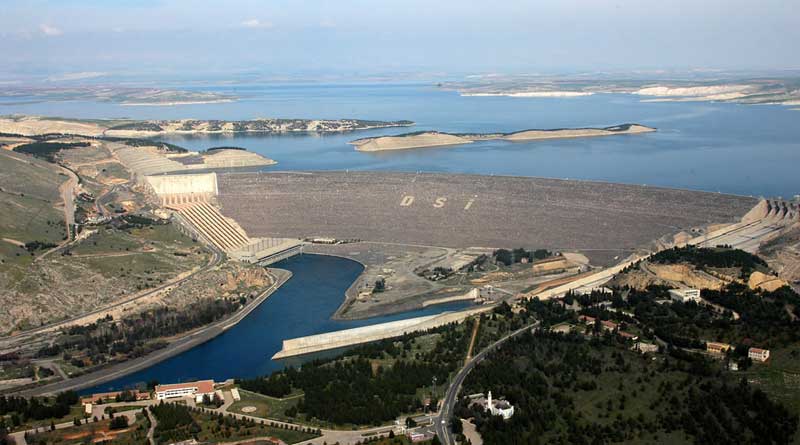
{"x":196,"y":389}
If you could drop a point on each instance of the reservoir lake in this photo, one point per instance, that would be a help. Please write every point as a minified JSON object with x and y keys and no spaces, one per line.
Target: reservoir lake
{"x":751,"y":150}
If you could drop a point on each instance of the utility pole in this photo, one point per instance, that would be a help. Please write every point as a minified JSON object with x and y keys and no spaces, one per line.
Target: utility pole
{"x":433,"y":395}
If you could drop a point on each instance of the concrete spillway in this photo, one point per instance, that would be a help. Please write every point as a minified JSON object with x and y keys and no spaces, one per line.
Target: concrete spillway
{"x":366,"y":334}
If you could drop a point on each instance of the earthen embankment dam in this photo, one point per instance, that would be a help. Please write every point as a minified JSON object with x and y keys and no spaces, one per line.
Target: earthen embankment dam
{"x":601,"y":219}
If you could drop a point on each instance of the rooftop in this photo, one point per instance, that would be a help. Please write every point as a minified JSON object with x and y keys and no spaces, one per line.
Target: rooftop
{"x":203,"y":386}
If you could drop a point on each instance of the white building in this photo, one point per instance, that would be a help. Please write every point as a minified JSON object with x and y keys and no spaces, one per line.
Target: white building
{"x":499,"y":407}
{"x":644,"y":348}
{"x":758,"y":354}
{"x":190,"y":389}
{"x":685,"y":295}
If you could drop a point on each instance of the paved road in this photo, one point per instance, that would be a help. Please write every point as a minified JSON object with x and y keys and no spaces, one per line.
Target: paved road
{"x":176,"y":347}
{"x":67,"y":190}
{"x":342,"y":437}
{"x":451,"y":396}
{"x":151,"y":432}
{"x":52,"y":365}
{"x":29,"y":336}
{"x":19,"y":437}
{"x":68,"y":195}
{"x":99,"y":203}
{"x":741,"y":236}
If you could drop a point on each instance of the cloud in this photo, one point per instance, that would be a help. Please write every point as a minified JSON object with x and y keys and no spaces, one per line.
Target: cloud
{"x":256,"y":23}
{"x":49,"y":30}
{"x":327,"y":23}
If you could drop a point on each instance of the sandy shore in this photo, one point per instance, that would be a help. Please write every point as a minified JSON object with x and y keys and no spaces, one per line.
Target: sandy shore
{"x":38,"y":125}
{"x":413,"y":140}
{"x":438,"y":139}
{"x":534,"y":94}
{"x":174,"y":103}
{"x":697,"y":91}
{"x":33,"y":125}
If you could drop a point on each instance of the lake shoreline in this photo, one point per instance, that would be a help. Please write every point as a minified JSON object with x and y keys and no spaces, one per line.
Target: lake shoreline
{"x":429,"y":139}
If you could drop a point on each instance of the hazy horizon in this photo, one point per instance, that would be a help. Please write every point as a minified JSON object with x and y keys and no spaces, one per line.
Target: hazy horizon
{"x":77,"y":40}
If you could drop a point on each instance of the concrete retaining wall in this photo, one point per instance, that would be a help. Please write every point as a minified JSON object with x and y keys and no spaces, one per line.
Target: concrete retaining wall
{"x":184,"y":184}
{"x":366,"y":334}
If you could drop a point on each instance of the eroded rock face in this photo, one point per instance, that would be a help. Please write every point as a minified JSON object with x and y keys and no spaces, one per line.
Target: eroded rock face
{"x":254,"y":277}
{"x":667,"y":275}
{"x":759,"y":280}
{"x":687,"y":275}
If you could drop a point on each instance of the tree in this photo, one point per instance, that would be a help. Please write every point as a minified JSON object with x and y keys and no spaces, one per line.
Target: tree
{"x":455,"y":425}
{"x":503,"y":256}
{"x":125,"y":396}
{"x":217,"y":400}
{"x":118,"y":423}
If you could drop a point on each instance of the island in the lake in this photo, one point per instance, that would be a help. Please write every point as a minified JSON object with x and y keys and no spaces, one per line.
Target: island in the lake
{"x":426,"y":139}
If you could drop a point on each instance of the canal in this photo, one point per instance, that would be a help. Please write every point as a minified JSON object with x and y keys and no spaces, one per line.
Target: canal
{"x":302,"y":306}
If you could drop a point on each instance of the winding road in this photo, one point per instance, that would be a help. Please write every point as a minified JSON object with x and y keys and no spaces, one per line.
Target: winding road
{"x":27,"y":337}
{"x":451,"y":396}
{"x":182,"y":344}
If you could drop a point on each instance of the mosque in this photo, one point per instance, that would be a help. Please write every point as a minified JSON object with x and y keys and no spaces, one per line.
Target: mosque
{"x":496,"y":407}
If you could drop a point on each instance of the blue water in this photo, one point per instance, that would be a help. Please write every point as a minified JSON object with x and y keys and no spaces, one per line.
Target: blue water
{"x":302,"y":306}
{"x":731,"y":148}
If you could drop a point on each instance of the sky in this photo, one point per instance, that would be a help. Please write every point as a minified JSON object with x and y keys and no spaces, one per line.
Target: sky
{"x":71,"y":40}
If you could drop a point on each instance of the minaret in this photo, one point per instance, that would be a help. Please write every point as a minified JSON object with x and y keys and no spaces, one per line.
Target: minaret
{"x":491,"y":407}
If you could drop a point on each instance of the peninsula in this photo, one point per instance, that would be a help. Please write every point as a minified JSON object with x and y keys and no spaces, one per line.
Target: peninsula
{"x":725,"y":87}
{"x":127,"y":128}
{"x":426,"y":139}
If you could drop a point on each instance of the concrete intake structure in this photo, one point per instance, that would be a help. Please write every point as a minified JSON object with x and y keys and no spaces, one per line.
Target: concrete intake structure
{"x":366,"y":334}
{"x":183,"y":189}
{"x":191,"y":195}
